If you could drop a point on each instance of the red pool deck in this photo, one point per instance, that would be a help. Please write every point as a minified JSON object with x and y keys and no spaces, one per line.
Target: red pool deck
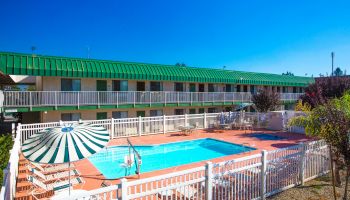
{"x":93,"y":178}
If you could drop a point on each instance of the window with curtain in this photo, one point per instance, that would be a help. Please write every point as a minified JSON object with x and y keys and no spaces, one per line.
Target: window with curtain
{"x":155,"y":113}
{"x":179,"y":111}
{"x":178,"y":87}
{"x":70,"y":116}
{"x":120,"y":114}
{"x":70,"y":84}
{"x":156,"y":86}
{"x":120,"y":85}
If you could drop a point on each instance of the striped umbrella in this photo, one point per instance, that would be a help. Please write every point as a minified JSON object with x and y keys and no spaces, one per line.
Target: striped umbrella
{"x":67,"y":143}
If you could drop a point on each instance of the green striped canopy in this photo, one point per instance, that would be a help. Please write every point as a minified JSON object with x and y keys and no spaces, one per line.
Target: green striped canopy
{"x":67,"y":143}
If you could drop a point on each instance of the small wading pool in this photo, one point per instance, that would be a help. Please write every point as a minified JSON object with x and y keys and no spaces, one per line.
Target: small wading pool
{"x":109,"y":161}
{"x":264,"y":136}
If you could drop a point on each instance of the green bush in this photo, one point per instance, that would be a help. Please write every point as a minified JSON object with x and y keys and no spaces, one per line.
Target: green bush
{"x":5,"y":147}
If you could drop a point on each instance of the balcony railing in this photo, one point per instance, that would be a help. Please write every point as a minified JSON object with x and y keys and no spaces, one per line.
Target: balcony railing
{"x":84,"y":98}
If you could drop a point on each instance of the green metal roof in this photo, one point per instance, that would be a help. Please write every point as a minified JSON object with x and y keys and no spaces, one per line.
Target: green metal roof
{"x":39,"y":65}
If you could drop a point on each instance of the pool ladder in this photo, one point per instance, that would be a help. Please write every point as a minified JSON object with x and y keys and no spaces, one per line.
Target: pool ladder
{"x":137,"y":156}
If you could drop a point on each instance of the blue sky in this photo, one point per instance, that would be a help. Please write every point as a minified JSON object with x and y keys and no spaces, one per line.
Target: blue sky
{"x":264,"y":36}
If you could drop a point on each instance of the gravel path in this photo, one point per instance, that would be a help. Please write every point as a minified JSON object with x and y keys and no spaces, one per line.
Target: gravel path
{"x":317,"y":189}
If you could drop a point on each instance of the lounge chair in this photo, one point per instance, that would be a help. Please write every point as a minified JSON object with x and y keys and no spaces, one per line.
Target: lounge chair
{"x":52,"y":168}
{"x":53,"y":176}
{"x":56,"y":186}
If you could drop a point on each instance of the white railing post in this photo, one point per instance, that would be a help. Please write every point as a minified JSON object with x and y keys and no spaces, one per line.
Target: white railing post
{"x":117,"y":99}
{"x":13,"y":131}
{"x":150,"y":99}
{"x":263,"y":174}
{"x":30,"y":101}
{"x":164,"y":125}
{"x":124,"y":186}
{"x":164,"y":98}
{"x":186,"y":119}
{"x":112,"y":128}
{"x":205,"y":120}
{"x":208,"y":180}
{"x":302,"y":163}
{"x":56,"y":100}
{"x":134,"y":99}
{"x":20,"y":133}
{"x":178,"y":98}
{"x":98,"y":99}
{"x":139,"y":130}
{"x":78,"y":99}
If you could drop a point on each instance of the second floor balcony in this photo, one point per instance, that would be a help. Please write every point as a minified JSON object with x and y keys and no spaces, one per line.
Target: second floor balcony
{"x":32,"y":100}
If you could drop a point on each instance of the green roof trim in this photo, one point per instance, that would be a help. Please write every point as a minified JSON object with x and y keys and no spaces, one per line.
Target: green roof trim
{"x":39,"y":65}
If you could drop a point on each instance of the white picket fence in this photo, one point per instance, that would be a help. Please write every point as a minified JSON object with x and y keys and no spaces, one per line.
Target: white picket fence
{"x":252,"y":177}
{"x":138,"y":126}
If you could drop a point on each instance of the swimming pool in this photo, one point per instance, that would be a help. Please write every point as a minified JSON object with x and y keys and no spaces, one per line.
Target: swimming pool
{"x":156,"y":157}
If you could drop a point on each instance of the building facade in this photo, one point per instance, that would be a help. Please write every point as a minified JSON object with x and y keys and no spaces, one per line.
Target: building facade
{"x":73,"y":88}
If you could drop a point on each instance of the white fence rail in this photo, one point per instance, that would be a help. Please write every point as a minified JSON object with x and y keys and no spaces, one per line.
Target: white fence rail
{"x":83,"y":98}
{"x":252,"y":177}
{"x":129,"y":127}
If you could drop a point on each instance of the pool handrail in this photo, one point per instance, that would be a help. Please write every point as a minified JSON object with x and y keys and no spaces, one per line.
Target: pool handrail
{"x":138,"y":163}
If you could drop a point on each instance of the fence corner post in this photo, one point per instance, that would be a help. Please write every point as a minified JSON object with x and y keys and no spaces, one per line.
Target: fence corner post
{"x":164,"y":125}
{"x":208,"y":180}
{"x":205,"y":120}
{"x":19,"y":133}
{"x":139,"y":130}
{"x":263,"y":174}
{"x":302,"y":163}
{"x":124,"y":186}
{"x":112,"y":128}
{"x":13,"y":130}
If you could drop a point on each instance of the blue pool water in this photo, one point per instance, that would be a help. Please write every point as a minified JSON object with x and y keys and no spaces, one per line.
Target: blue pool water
{"x":156,"y":157}
{"x":264,"y":136}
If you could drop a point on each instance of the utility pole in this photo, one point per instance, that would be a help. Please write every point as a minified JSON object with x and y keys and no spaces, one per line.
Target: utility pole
{"x":332,"y":55}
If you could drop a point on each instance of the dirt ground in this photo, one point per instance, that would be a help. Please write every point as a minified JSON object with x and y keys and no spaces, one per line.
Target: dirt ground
{"x":317,"y":189}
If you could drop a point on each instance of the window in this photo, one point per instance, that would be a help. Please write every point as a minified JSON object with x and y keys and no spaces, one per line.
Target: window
{"x":70,"y":116}
{"x":179,"y":112}
{"x":252,"y":89}
{"x":120,"y":114}
{"x":278,"y":89}
{"x":101,"y":115}
{"x":238,"y":88}
{"x":120,"y":85}
{"x":141,"y":86}
{"x":154,"y":113}
{"x":228,"y":88}
{"x":192,"y":111}
{"x":245,"y":88}
{"x":284,"y":89}
{"x":211,"y":110}
{"x":211,"y":88}
{"x":178,"y":87}
{"x":140,"y":113}
{"x":192,"y":87}
{"x":201,"y":88}
{"x":294,"y":89}
{"x":301,"y":90}
{"x":156,"y":86}
{"x":70,"y":85}
{"x":201,"y":110}
{"x":228,"y":109}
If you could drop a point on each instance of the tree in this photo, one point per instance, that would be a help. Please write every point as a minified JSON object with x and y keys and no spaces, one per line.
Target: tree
{"x":266,"y":100}
{"x":331,"y":122}
{"x":180,"y":64}
{"x":338,"y":72}
{"x":325,"y":88}
{"x":288,"y":73}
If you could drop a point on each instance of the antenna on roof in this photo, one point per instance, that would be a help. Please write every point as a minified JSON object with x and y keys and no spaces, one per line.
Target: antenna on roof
{"x":88,"y":51}
{"x":33,"y":48}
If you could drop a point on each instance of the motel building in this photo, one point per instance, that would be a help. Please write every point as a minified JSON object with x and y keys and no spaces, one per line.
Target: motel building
{"x":70,"y":89}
